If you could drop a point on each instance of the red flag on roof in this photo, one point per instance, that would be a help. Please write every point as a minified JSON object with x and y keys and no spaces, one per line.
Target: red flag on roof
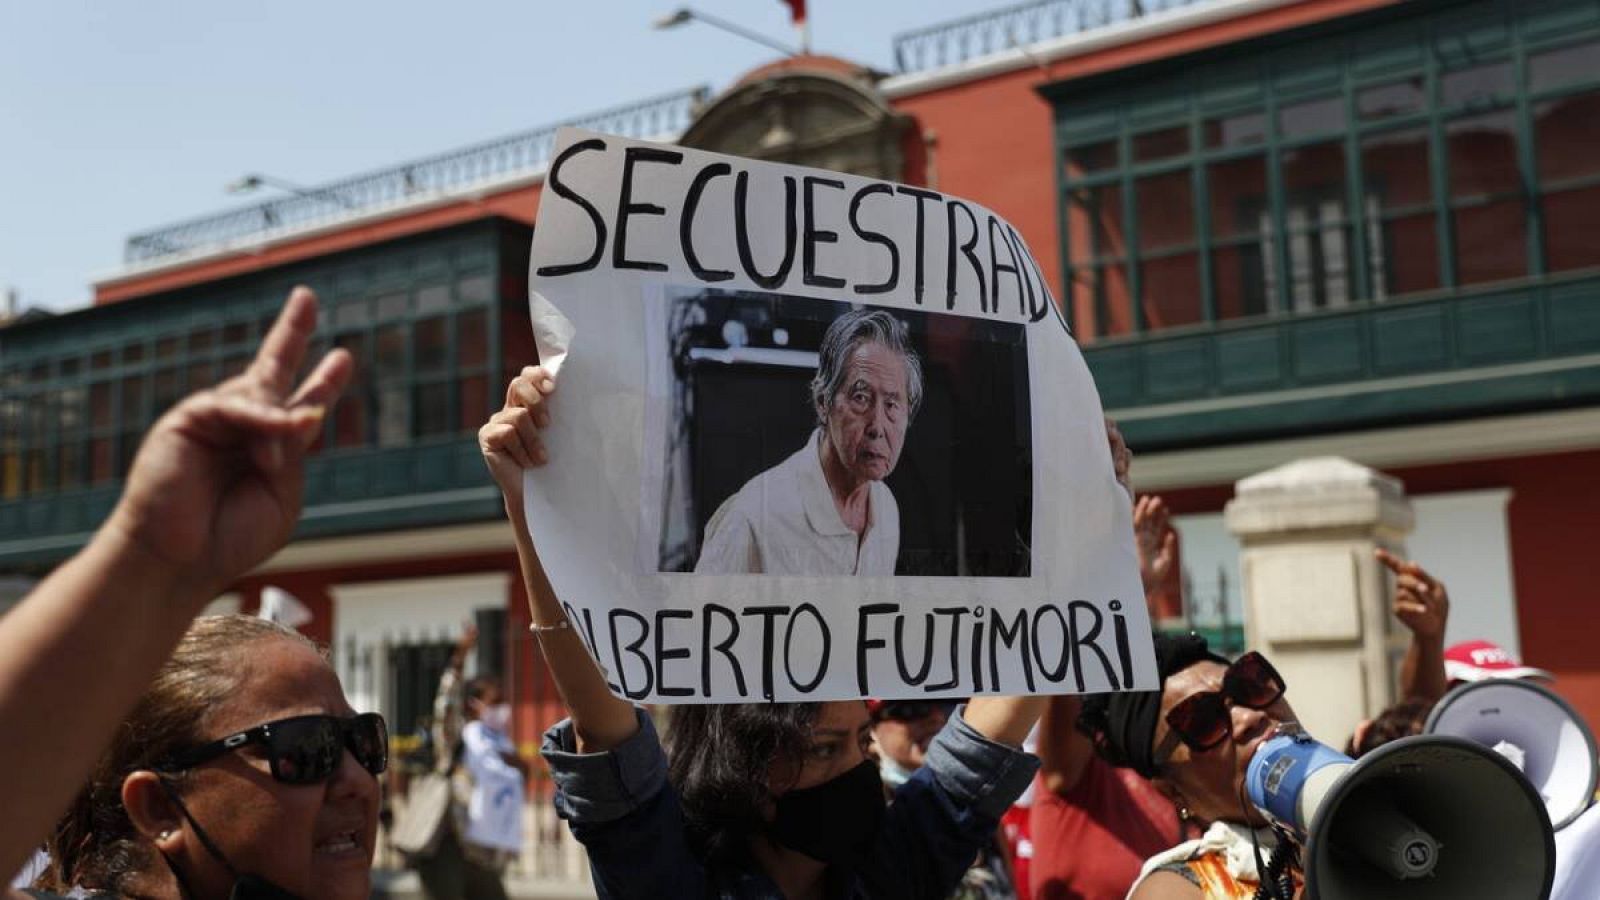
{"x":797,"y":10}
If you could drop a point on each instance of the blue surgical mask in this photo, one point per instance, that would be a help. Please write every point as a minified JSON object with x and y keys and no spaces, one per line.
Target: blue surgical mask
{"x":892,"y":773}
{"x":497,"y":718}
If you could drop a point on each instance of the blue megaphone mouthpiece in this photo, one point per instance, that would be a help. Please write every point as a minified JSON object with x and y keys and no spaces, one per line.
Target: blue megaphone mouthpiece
{"x":1280,"y":769}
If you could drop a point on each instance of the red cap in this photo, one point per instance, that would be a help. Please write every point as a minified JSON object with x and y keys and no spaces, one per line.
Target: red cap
{"x":1482,"y":660}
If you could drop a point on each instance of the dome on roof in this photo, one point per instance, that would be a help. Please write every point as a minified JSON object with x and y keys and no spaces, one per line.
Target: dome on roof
{"x":819,"y":111}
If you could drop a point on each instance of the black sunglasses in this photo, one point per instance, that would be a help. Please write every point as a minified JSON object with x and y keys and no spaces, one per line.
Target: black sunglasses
{"x":1202,"y":720}
{"x":303,"y":749}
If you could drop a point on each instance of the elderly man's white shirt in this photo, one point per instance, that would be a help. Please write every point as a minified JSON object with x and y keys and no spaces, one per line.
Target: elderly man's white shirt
{"x":784,"y":522}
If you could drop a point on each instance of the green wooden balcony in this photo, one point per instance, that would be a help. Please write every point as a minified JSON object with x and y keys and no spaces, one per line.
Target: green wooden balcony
{"x":347,"y":492}
{"x":1386,"y":218}
{"x":435,"y":323}
{"x":1530,"y":347}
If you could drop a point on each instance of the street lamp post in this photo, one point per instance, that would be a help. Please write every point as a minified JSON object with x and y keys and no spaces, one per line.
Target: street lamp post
{"x":254,"y":181}
{"x":246,"y":184}
{"x":684,"y":15}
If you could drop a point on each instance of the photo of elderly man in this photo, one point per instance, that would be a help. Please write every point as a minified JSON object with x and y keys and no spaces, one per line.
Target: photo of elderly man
{"x":825,"y":510}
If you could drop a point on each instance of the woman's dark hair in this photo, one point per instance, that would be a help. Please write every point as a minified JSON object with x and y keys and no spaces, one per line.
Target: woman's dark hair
{"x":1122,"y":726}
{"x":95,"y":844}
{"x":1404,"y":719}
{"x":480,"y":687}
{"x":719,"y":759}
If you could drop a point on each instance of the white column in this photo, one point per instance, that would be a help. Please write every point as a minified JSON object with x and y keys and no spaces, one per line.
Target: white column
{"x":1316,"y":600}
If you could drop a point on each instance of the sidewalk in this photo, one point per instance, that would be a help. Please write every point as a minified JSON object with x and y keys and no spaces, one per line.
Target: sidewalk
{"x":389,"y":884}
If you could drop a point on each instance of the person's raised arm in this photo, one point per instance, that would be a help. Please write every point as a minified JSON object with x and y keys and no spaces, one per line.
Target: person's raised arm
{"x":1004,"y":720}
{"x":1156,"y":540}
{"x":214,"y":490}
{"x":510,"y":443}
{"x":1121,"y":457}
{"x":1422,"y":605}
{"x":448,"y":700}
{"x":1064,"y":752}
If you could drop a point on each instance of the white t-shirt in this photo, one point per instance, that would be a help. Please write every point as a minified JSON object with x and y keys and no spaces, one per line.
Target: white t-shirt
{"x":784,"y":522}
{"x":1578,"y":858}
{"x":494,"y":813}
{"x":31,"y":869}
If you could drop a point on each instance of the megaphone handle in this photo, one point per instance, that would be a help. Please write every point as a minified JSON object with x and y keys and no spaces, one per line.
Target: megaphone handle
{"x":1275,"y":881}
{"x":1277,"y":866}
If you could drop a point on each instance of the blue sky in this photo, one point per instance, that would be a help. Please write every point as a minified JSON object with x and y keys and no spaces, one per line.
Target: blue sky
{"x":116,"y":117}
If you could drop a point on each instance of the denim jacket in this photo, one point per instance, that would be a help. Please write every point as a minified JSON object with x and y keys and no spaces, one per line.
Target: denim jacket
{"x":621,"y":808}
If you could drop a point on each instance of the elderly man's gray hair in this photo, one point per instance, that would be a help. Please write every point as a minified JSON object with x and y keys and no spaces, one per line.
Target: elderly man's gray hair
{"x":854,"y":328}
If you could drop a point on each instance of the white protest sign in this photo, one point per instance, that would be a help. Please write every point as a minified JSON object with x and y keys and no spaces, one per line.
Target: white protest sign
{"x":817,"y":437}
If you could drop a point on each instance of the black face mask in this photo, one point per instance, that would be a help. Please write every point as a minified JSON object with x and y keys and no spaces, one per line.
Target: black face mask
{"x":835,"y":821}
{"x":245,"y":887}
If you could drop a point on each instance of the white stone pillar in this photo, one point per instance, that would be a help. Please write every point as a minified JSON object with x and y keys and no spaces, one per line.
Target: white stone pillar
{"x":1317,"y":602}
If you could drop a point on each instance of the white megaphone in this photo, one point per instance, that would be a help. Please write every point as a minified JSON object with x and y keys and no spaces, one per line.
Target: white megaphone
{"x":1426,"y":818}
{"x":1532,"y":727}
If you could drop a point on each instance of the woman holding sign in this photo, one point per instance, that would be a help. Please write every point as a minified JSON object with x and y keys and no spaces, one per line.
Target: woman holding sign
{"x":755,"y":800}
